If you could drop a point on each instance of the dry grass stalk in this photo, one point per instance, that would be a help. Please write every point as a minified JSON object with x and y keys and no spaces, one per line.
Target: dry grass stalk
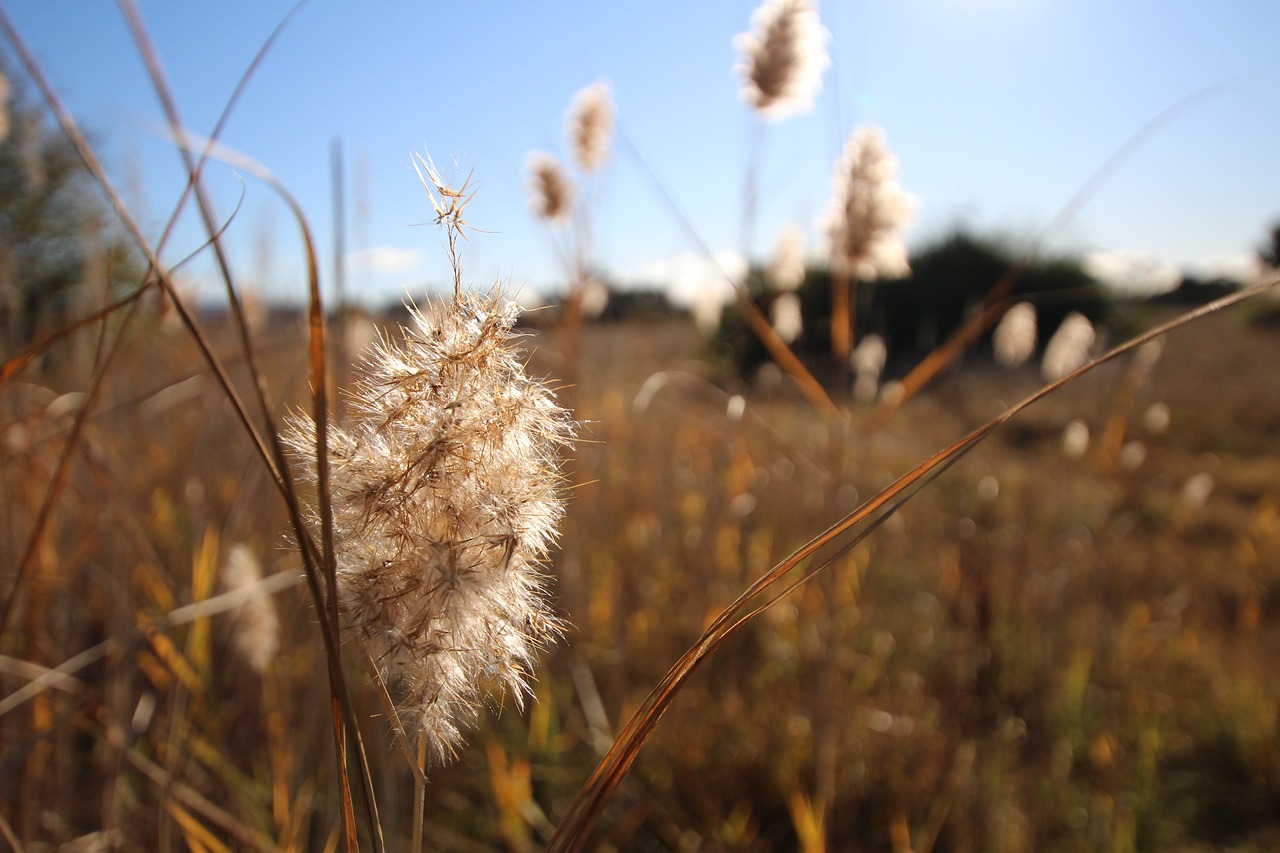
{"x":590,"y":126}
{"x":446,"y":499}
{"x":783,"y":58}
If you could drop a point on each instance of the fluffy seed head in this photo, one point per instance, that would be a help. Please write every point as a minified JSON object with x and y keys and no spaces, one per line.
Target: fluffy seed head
{"x":257,"y":630}
{"x":1068,"y":348}
{"x":1196,"y":490}
{"x":1015,"y":338}
{"x":550,"y":191}
{"x":786,"y":317}
{"x":1075,"y":439}
{"x":787,"y":271}
{"x":1148,"y":354}
{"x":1132,"y":455}
{"x":1156,"y":418}
{"x":783,"y":58}
{"x":590,"y":126}
{"x":869,"y":356}
{"x":868,"y":360}
{"x":868,"y":209}
{"x":445,"y":492}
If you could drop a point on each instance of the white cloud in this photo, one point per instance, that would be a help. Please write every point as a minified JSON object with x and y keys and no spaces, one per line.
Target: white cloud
{"x":1130,"y":272}
{"x":1241,"y":267}
{"x":1145,"y":274}
{"x":388,"y":259}
{"x":701,"y":284}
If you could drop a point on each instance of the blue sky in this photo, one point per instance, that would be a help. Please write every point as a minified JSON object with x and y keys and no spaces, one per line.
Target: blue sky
{"x":1000,"y":111}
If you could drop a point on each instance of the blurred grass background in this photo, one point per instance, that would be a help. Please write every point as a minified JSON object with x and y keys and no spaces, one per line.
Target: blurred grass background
{"x":1037,"y":652}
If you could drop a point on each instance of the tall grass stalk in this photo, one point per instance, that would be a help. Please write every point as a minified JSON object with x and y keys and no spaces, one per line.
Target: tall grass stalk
{"x":273,"y":457}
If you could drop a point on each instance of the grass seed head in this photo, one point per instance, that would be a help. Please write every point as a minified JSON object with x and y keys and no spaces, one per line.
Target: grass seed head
{"x":257,"y":628}
{"x":550,"y":191}
{"x":786,"y":317}
{"x":590,"y":126}
{"x":1075,"y":439}
{"x":868,"y":209}
{"x":782,"y":58}
{"x":786,"y":273}
{"x":1068,"y":348}
{"x":1014,"y":339}
{"x":446,"y":500}
{"x":868,"y":360}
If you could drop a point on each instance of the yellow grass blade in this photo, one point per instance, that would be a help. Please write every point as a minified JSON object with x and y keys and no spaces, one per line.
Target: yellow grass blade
{"x":198,"y":836}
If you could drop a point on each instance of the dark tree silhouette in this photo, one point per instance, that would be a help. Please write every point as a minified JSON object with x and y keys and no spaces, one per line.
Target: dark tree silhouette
{"x":54,"y":225}
{"x":948,"y":280}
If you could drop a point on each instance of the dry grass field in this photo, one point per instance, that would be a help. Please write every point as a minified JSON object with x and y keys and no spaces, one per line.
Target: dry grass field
{"x":1035,"y":653}
{"x":1061,"y":637}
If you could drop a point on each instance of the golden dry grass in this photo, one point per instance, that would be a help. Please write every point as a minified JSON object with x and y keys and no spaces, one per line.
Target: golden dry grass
{"x":1036,"y":653}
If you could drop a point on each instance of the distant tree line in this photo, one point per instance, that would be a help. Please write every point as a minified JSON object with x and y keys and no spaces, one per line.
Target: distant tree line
{"x":56,"y":237}
{"x":948,"y":281}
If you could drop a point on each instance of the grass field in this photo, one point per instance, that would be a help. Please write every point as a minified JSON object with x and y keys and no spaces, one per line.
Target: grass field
{"x":1035,"y":653}
{"x":1039,"y":643}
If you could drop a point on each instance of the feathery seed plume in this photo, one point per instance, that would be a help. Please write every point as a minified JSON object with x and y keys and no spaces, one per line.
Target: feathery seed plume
{"x":257,"y":629}
{"x":868,"y":209}
{"x":787,"y":271}
{"x":1156,"y":418}
{"x":1075,"y":439}
{"x":1196,"y":490}
{"x":590,"y":126}
{"x":446,"y":498}
{"x":868,"y":360}
{"x":870,"y":356}
{"x":1068,"y":348}
{"x":1132,"y":455}
{"x":1014,"y":339}
{"x":783,"y":58}
{"x":1149,"y":353}
{"x":595,"y":298}
{"x":893,"y":392}
{"x":549,"y":189}
{"x":785,"y":316}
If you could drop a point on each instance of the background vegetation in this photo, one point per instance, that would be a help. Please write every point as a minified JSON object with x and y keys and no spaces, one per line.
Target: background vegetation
{"x":1037,"y":652}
